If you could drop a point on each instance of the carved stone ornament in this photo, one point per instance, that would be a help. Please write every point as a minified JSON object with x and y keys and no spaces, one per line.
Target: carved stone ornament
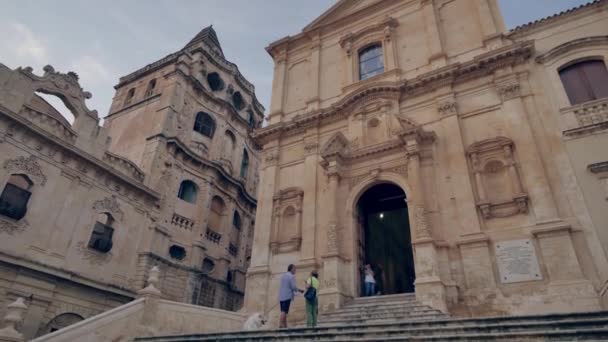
{"x":28,"y":166}
{"x":337,"y":145}
{"x":509,"y":90}
{"x":65,"y":86}
{"x":92,"y":256}
{"x":422,"y":228}
{"x":109,"y":205}
{"x":311,"y":147}
{"x":498,"y":183}
{"x":332,"y":239}
{"x":447,"y":108}
{"x":12,"y":227}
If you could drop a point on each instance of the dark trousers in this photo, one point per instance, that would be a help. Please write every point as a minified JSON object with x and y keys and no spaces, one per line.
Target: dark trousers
{"x":369,"y":289}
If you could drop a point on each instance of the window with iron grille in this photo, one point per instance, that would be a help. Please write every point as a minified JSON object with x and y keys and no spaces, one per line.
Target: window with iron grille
{"x":15,"y":197}
{"x":204,"y":124}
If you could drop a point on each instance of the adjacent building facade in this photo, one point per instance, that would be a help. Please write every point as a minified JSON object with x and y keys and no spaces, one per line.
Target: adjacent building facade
{"x":462,"y":161}
{"x":169,"y":180}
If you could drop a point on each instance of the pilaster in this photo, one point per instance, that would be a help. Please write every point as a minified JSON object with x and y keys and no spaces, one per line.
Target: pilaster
{"x":434,"y":33}
{"x":309,"y":203}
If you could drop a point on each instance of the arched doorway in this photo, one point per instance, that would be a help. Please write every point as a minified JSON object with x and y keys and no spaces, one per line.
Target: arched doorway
{"x":385,"y":239}
{"x":62,"y":321}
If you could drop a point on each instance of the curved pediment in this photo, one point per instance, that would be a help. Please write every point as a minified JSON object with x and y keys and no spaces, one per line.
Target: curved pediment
{"x":572,"y":45}
{"x":64,"y":86}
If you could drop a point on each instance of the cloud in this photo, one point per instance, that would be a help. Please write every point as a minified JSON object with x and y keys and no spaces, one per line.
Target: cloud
{"x":23,"y":47}
{"x":91,"y":70}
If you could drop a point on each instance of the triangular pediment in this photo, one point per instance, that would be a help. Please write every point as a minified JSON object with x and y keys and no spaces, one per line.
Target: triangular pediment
{"x":336,"y":145}
{"x":342,"y":9}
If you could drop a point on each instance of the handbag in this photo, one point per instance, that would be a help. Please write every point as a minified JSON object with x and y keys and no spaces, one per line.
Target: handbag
{"x":311,"y":293}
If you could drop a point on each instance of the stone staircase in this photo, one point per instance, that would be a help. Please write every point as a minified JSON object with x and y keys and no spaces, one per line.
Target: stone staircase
{"x":402,"y":318}
{"x":381,"y":309}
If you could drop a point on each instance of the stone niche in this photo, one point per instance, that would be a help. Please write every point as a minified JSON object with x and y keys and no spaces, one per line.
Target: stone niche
{"x":287,"y":221}
{"x":498,"y":186}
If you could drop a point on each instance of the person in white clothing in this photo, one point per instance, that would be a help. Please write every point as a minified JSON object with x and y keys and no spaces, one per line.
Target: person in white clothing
{"x":370,"y":282}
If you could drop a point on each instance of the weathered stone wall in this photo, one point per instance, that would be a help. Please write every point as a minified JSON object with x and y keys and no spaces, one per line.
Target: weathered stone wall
{"x":467,"y":123}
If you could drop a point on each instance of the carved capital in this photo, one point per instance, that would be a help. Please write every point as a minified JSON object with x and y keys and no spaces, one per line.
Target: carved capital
{"x":448,"y":107}
{"x":311,"y":148}
{"x":509,"y":90}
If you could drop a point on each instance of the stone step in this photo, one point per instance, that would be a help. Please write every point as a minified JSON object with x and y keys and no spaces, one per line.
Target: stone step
{"x":383,"y":299}
{"x":363,"y":318}
{"x":550,"y":327}
{"x":383,"y":305}
{"x":396,"y":310}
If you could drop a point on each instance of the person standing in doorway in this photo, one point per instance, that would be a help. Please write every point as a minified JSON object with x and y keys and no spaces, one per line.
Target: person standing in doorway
{"x":370,"y":282}
{"x":312,"y":299}
{"x":287,"y":291}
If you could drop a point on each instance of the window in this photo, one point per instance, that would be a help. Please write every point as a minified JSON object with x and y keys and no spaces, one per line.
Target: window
{"x":15,"y":196}
{"x":236,"y":221}
{"x":204,"y":124}
{"x":187,"y":191}
{"x":585,"y":81}
{"x":101,"y":238}
{"x":244,"y":164}
{"x":251,"y":118}
{"x":130,"y":96}
{"x":177,"y":252}
{"x":237,"y":100}
{"x":215,"y":81}
{"x":371,"y":62}
{"x":208,"y":266}
{"x":151,"y":88}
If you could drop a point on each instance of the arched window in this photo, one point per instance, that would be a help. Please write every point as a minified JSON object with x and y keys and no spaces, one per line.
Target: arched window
{"x":235,"y":235}
{"x":187,"y":191}
{"x":371,"y":62}
{"x":204,"y":124}
{"x":151,"y":88}
{"x":130,"y":96}
{"x":215,"y":81}
{"x":244,"y":164}
{"x":585,"y":81}
{"x":101,"y":238}
{"x":62,"y":321}
{"x":15,"y":196}
{"x":237,"y":100}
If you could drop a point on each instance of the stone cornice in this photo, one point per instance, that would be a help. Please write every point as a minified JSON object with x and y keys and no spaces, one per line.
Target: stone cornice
{"x":459,"y":72}
{"x":193,"y":156}
{"x":66,"y":275}
{"x":105,"y":166}
{"x":572,"y":45}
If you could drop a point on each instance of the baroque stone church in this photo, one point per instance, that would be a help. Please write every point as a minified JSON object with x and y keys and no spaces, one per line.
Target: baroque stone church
{"x":169,"y":180}
{"x":464,"y":162}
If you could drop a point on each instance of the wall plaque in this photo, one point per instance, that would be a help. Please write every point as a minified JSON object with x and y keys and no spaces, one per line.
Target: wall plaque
{"x":517,"y":261}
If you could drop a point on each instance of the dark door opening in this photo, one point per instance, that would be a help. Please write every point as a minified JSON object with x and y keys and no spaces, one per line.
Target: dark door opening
{"x":385,"y":240}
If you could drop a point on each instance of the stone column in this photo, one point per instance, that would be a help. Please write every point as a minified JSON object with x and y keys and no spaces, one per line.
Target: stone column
{"x":434,"y":33}
{"x":309,"y":201}
{"x":430,"y":290}
{"x":278,"y":87}
{"x":257,"y":296}
{"x":315,"y":69}
{"x":489,"y":27}
{"x":515,"y":117}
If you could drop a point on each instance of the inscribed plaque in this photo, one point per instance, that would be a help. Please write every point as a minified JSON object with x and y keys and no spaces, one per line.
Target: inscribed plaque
{"x":517,"y":261}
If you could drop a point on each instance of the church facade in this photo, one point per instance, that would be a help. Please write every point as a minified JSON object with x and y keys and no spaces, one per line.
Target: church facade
{"x":170,"y":180}
{"x":462,"y":161}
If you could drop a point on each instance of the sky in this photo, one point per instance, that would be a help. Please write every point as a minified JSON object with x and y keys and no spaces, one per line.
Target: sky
{"x":104,"y":40}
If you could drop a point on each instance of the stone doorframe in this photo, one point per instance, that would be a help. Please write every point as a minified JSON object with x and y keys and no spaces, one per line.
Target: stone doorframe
{"x":430,"y":288}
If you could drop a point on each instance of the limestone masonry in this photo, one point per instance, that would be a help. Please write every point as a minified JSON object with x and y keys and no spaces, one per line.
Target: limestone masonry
{"x":467,"y":164}
{"x":169,"y":180}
